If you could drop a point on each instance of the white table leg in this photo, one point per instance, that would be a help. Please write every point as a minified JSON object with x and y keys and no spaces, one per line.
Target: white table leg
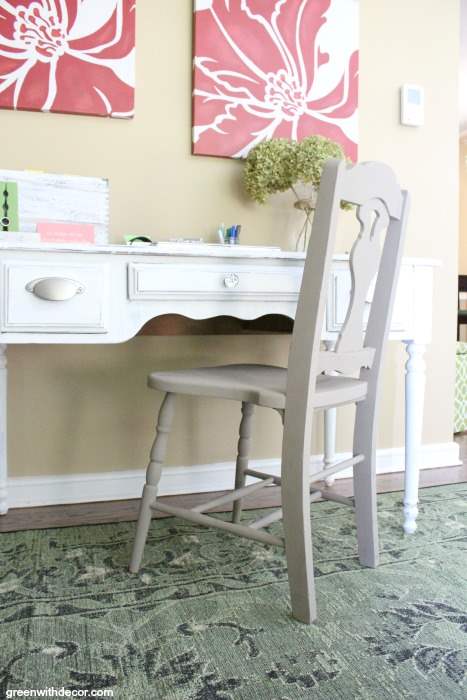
{"x":3,"y":433}
{"x":330,"y":436}
{"x":330,"y":419}
{"x":414,"y":400}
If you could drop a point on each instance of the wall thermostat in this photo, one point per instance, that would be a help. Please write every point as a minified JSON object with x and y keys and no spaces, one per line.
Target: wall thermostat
{"x":412,"y":105}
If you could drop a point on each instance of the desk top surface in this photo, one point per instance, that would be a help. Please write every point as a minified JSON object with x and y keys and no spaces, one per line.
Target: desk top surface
{"x":158,"y":249}
{"x":182,"y":250}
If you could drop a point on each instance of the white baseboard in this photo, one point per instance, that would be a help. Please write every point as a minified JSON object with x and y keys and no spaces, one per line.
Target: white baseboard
{"x":26,"y":492}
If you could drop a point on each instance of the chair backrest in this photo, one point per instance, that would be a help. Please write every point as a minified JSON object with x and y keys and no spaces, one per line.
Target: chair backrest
{"x":381,"y":209}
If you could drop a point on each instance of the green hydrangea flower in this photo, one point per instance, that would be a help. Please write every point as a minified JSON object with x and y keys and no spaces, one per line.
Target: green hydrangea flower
{"x":277,"y":165}
{"x":270,"y":167}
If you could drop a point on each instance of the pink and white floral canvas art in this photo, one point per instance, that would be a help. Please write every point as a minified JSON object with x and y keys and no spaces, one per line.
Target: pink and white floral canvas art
{"x":73,"y":56}
{"x":274,"y":68}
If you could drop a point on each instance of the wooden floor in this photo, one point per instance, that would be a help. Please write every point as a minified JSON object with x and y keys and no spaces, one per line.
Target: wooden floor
{"x":123,"y":511}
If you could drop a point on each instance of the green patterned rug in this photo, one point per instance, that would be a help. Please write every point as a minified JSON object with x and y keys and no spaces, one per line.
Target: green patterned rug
{"x":208,"y":616}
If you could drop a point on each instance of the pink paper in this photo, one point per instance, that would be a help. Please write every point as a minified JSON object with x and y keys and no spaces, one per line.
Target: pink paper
{"x":52,"y":232}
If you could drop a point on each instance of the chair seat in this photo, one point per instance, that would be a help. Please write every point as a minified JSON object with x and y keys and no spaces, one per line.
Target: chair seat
{"x":263,"y":385}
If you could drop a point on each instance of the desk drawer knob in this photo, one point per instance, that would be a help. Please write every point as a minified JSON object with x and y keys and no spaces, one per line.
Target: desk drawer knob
{"x":55,"y":288}
{"x":231,"y":280}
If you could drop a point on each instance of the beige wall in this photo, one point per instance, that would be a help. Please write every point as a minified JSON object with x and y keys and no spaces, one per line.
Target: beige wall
{"x":76,"y":409}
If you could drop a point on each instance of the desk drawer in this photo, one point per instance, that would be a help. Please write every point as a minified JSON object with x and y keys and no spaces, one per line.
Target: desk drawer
{"x":340,"y":287}
{"x":212,"y":281}
{"x":54,"y":298}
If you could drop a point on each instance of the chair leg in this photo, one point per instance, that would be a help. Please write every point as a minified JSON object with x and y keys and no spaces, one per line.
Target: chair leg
{"x":364,"y":479}
{"x":296,"y":520}
{"x":243,"y":453}
{"x":153,"y":475}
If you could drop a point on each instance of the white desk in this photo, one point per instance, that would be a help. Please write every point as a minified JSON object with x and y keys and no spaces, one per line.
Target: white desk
{"x":106,"y":294}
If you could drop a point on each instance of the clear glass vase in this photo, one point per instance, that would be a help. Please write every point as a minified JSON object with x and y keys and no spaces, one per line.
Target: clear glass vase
{"x":306,"y":196}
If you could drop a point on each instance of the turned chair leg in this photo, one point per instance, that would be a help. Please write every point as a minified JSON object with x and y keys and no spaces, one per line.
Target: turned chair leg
{"x":364,"y":479}
{"x":153,"y":475}
{"x":243,"y":453}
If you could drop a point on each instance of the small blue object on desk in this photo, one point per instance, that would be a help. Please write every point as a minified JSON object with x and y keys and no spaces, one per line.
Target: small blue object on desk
{"x":230,"y":236}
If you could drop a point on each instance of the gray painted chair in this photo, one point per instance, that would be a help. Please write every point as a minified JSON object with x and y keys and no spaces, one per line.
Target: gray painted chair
{"x":304,"y":387}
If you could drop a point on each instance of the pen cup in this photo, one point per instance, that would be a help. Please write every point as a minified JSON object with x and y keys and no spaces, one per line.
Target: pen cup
{"x":234,"y":234}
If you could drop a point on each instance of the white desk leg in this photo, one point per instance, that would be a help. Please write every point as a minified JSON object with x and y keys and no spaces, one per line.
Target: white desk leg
{"x":414,"y":399}
{"x":330,"y":436}
{"x":3,"y":433}
{"x":330,"y":418}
